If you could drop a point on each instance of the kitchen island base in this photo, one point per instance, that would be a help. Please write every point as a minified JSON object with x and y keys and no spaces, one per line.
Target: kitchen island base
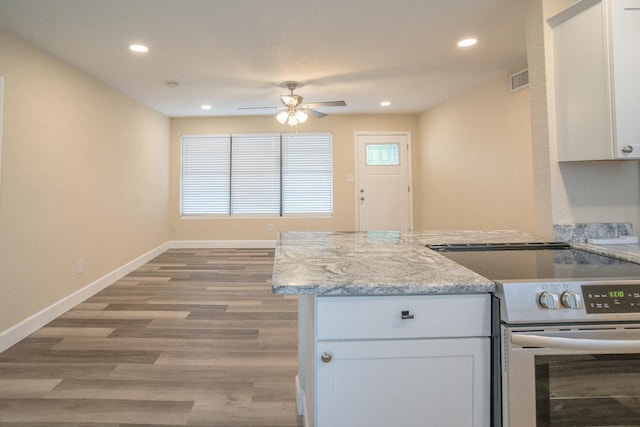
{"x":385,"y":360}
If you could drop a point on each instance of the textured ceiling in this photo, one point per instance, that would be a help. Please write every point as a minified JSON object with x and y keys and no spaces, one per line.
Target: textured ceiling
{"x":237,"y":53}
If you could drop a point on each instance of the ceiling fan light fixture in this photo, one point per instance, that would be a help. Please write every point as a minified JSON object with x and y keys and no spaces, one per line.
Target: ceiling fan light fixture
{"x":292,"y":121}
{"x":291,"y":100}
{"x":293,"y":111}
{"x":282,"y":116}
{"x":292,"y":116}
{"x":301,"y":116}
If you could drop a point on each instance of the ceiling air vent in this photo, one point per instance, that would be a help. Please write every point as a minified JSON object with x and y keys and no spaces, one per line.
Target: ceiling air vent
{"x":519,"y":80}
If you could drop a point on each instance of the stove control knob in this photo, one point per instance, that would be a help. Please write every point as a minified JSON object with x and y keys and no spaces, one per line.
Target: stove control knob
{"x":571,"y":300}
{"x":549,"y":300}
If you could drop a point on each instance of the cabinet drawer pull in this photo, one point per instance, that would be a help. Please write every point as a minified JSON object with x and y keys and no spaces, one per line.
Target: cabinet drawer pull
{"x":326,"y":357}
{"x":406,"y":314}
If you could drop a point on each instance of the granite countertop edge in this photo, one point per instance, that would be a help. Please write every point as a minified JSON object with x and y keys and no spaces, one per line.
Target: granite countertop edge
{"x":481,"y":287}
{"x":379,"y":263}
{"x":389,"y":263}
{"x":625,"y":252}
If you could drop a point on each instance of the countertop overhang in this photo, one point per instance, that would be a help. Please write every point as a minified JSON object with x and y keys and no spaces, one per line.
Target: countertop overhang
{"x":392,"y":263}
{"x":378,"y":263}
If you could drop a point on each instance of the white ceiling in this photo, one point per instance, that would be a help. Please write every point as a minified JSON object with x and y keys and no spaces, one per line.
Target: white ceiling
{"x":237,"y":53}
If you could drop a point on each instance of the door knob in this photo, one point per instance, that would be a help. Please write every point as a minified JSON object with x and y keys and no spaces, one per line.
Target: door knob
{"x":361,"y":197}
{"x":326,"y":357}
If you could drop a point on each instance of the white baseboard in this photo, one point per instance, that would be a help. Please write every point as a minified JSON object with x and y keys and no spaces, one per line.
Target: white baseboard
{"x":23,"y":329}
{"x":31,"y":324}
{"x":299,"y":396}
{"x":213,"y":244}
{"x":301,"y":403}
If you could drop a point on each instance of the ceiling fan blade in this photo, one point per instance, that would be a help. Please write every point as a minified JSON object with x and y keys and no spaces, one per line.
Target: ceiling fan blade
{"x":271,"y":116}
{"x":325,"y":104}
{"x":254,"y":108}
{"x":313,"y":113}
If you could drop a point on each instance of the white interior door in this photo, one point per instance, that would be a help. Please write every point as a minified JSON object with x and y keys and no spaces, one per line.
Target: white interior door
{"x":383,"y":182}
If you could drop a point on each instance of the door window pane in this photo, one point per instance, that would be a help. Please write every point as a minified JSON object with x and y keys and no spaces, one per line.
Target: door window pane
{"x":382,"y":155}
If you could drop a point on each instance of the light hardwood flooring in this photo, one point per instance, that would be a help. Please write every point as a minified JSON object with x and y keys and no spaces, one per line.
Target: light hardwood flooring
{"x":194,"y":337}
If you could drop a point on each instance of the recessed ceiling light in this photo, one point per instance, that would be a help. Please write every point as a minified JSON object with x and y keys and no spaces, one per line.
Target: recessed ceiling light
{"x":385,"y":103}
{"x":206,"y":107}
{"x":467,"y":42}
{"x":140,"y":48}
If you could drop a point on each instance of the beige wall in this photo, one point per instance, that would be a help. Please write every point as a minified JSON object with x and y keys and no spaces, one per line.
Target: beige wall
{"x":84,"y":177}
{"x":342,"y":127}
{"x":473,"y":163}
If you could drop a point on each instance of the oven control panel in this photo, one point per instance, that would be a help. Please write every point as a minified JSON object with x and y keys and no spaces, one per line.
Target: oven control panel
{"x":611,"y":299}
{"x":558,"y":301}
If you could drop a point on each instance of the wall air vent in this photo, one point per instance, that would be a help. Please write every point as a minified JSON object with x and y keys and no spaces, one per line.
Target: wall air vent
{"x":519,"y":80}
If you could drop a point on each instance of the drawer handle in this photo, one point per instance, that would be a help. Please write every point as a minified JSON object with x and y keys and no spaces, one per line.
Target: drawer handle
{"x":406,"y":314}
{"x":326,"y":357}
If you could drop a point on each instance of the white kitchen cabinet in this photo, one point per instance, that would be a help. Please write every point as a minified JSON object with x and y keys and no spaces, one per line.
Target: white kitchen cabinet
{"x":439,"y":382}
{"x":596,"y":67}
{"x":362,"y":364}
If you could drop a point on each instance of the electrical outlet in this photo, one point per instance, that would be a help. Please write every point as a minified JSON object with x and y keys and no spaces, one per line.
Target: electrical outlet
{"x":270,"y":227}
{"x":79,"y":267}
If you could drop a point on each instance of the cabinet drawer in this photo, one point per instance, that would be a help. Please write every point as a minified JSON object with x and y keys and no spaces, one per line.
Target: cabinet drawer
{"x":379,"y":317}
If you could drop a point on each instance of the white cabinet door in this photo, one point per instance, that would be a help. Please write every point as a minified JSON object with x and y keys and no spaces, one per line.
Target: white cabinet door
{"x":596,"y":60}
{"x":427,"y":382}
{"x":625,"y":40}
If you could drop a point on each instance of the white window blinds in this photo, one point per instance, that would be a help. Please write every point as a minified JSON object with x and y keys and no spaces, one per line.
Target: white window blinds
{"x":307,"y":173}
{"x":257,"y":174}
{"x":205,"y":174}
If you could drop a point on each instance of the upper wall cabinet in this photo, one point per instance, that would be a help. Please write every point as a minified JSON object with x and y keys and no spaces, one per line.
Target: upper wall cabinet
{"x":597,"y":80}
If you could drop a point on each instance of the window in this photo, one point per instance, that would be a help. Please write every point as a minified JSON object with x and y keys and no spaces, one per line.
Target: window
{"x":382,"y":155}
{"x":206,"y":175}
{"x":307,"y":174}
{"x":257,"y":174}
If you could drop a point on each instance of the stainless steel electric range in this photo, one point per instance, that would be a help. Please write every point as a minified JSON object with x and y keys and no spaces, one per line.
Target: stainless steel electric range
{"x":567,"y":347}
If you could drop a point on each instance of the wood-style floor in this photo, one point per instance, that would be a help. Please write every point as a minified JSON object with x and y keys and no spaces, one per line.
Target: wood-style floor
{"x":194,"y":337}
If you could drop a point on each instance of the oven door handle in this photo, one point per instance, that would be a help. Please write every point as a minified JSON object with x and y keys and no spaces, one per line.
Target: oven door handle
{"x":575,"y":343}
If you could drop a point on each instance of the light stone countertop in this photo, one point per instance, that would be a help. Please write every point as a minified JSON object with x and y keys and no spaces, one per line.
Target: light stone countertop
{"x":624,"y":252}
{"x":378,"y":263}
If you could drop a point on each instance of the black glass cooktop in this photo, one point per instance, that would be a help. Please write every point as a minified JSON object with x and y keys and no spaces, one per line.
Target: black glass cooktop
{"x":536,"y":262}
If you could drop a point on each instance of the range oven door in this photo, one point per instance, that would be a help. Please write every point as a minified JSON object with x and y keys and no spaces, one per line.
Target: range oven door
{"x":578,"y":375}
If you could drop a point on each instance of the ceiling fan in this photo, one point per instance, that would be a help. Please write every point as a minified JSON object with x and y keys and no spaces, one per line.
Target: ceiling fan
{"x":293,"y":111}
